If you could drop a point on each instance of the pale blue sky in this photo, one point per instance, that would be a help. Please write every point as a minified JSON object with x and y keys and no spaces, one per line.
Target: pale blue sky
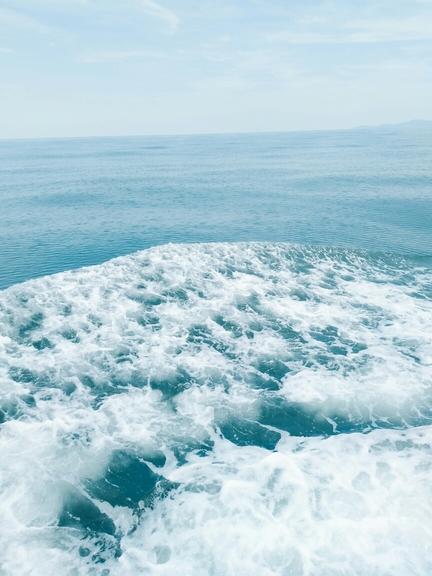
{"x":102,"y":67}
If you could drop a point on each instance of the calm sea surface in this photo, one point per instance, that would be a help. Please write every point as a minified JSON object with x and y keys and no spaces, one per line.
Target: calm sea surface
{"x":70,"y":203}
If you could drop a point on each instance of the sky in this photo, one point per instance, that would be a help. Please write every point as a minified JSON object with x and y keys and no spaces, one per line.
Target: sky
{"x":118,"y":67}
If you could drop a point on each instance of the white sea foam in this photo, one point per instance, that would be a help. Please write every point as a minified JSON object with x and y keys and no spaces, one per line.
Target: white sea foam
{"x":200,"y":360}
{"x":350,"y":504}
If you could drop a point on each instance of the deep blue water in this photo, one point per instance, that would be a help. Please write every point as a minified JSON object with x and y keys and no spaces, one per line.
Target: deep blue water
{"x":73,"y":202}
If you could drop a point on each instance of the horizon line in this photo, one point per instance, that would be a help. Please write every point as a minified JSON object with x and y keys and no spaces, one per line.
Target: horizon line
{"x":235,"y":133}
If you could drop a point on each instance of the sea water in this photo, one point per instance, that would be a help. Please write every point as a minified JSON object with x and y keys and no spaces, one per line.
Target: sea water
{"x":70,"y":203}
{"x":252,"y":393}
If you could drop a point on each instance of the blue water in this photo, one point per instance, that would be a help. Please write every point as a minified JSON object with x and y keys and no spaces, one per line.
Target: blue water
{"x":70,"y":203}
{"x":251,"y":391}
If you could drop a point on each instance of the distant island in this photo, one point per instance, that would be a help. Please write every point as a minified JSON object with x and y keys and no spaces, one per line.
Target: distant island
{"x":416,"y":124}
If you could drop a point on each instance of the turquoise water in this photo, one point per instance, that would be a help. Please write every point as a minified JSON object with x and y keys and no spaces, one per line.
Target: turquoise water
{"x":254,"y":397}
{"x":70,"y":203}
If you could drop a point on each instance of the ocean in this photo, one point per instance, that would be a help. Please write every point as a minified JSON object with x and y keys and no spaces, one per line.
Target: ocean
{"x":216,"y":355}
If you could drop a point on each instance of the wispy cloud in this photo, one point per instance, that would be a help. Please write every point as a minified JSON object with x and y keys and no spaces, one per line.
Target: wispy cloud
{"x":113,"y":56}
{"x":10,"y":19}
{"x":151,"y":7}
{"x":168,"y":16}
{"x":6,"y":51}
{"x":362,"y":32}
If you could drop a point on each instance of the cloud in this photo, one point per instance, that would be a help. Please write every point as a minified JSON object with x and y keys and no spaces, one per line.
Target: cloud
{"x":120,"y":56}
{"x":10,"y":18}
{"x":151,"y":7}
{"x":362,"y":32}
{"x":6,"y":51}
{"x":392,"y":30}
{"x":169,"y":17}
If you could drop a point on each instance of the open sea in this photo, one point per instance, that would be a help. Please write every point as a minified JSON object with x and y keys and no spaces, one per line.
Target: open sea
{"x":216,"y":355}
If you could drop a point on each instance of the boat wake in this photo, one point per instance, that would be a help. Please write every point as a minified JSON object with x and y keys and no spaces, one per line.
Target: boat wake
{"x":218,"y":409}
